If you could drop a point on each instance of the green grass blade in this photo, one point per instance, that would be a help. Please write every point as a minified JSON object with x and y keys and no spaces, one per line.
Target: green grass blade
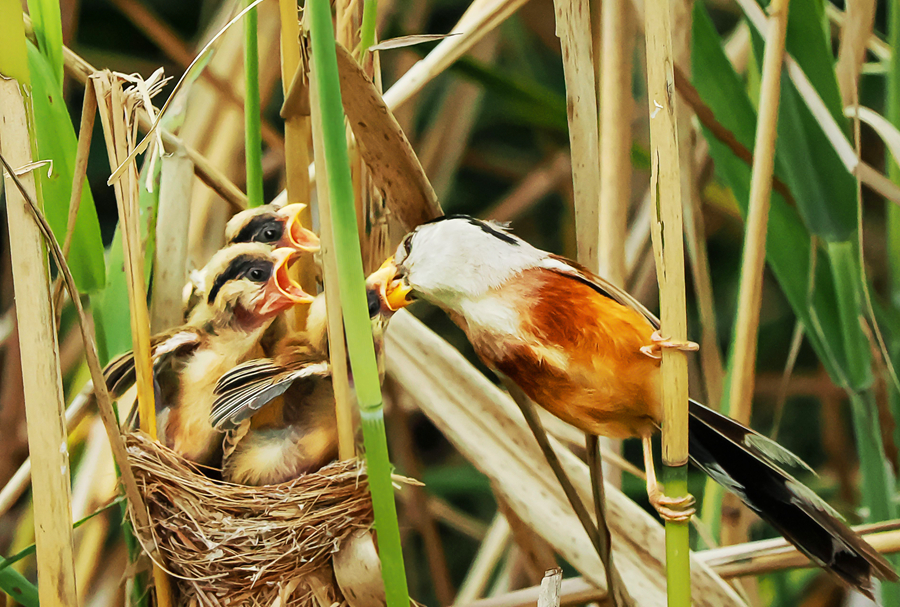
{"x":825,"y":192}
{"x":252,"y":112}
{"x":18,"y":588}
{"x":360,"y":347}
{"x":47,"y":22}
{"x":721,"y":89}
{"x":56,"y":141}
{"x":13,"y":53}
{"x":892,"y":113}
{"x":367,"y":28}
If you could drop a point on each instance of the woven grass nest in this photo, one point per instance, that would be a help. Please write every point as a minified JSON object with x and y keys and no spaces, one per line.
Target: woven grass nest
{"x":232,"y":545}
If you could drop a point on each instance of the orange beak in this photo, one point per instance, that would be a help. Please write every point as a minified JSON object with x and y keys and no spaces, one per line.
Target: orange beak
{"x":295,"y":235}
{"x":394,"y":290}
{"x":281,"y":292}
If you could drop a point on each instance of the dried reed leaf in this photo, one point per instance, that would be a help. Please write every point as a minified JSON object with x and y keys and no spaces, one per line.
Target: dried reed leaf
{"x":855,"y":33}
{"x":486,"y":427}
{"x":172,"y":223}
{"x":387,"y":152}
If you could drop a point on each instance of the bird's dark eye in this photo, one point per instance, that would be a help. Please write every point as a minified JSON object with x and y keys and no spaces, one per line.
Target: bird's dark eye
{"x":269,"y":234}
{"x":257,"y":275}
{"x":406,"y":245}
{"x":373,"y":298}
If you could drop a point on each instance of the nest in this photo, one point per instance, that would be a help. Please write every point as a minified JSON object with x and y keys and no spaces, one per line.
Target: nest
{"x":232,"y":545}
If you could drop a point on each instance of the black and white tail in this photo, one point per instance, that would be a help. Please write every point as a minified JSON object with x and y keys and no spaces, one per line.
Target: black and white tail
{"x":752,"y":466}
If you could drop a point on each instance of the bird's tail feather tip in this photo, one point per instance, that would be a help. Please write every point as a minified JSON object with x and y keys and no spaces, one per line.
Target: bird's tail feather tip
{"x":790,"y":507}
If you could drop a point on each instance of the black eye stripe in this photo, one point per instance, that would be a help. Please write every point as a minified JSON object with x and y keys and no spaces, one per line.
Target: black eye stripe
{"x":237,"y":269}
{"x":255,"y":227}
{"x":407,"y":244}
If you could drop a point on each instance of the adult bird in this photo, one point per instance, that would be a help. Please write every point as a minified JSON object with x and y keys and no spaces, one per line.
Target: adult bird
{"x":247,"y":287}
{"x":278,"y":413}
{"x":587,"y":352}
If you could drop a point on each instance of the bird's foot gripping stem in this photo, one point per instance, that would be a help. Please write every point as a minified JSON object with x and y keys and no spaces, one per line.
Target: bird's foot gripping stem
{"x":654,"y":350}
{"x":675,"y":509}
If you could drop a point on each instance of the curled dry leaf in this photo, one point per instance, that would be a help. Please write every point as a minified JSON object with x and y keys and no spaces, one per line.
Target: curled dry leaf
{"x":384,"y":147}
{"x":405,"y":41}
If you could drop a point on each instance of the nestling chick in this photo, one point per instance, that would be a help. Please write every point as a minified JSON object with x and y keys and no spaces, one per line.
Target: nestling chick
{"x":587,"y":352}
{"x":247,"y":286}
{"x":279,"y":412}
{"x":267,"y":224}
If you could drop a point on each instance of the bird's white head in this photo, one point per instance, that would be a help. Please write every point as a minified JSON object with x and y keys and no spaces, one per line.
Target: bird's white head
{"x":453,"y":259}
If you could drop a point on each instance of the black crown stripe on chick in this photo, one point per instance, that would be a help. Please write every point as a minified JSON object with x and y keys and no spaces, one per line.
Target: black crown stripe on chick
{"x":254,"y":230}
{"x":238,"y":268}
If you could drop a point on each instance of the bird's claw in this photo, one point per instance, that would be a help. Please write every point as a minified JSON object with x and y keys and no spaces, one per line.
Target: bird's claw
{"x":654,"y":350}
{"x":674,"y":509}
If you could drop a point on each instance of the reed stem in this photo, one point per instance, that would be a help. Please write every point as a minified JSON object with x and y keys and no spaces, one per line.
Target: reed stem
{"x":754,"y":255}
{"x":668,"y":246}
{"x":252,"y":115}
{"x":351,"y":280}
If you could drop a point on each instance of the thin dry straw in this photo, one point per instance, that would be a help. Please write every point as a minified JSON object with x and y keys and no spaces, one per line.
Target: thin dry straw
{"x":753,"y":260}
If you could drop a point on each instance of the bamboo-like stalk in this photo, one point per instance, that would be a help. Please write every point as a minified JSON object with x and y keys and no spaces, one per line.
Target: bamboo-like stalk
{"x":367,"y":28}
{"x":44,"y":402}
{"x":252,"y":116}
{"x":668,"y":245}
{"x":296,"y":150}
{"x":753,"y":260}
{"x":573,"y":26}
{"x":104,"y":404}
{"x":337,"y":343}
{"x":119,"y":143}
{"x":616,"y":106}
{"x":329,"y":120}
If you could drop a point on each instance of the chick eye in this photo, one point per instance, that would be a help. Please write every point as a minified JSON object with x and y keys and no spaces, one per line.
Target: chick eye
{"x":270,"y":234}
{"x":257,"y":275}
